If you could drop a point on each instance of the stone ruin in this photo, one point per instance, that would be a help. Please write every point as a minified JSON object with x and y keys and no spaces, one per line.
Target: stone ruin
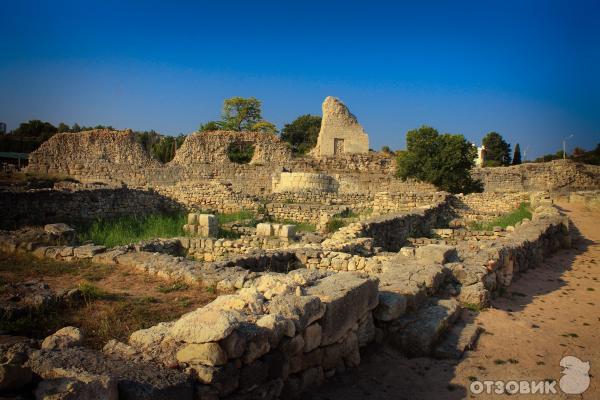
{"x":294,"y":308}
{"x":340,"y":131}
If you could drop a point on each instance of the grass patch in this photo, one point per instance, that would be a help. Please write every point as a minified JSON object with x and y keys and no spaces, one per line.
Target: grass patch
{"x":505,"y":220}
{"x":130,"y":229}
{"x":300,"y":226}
{"x":235,"y":216}
{"x":334,"y":224}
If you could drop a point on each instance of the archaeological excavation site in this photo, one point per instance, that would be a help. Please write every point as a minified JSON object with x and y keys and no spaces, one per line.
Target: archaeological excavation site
{"x":278,"y":277}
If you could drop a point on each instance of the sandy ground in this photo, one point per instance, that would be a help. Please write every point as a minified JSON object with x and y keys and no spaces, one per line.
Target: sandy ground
{"x":549,"y":312}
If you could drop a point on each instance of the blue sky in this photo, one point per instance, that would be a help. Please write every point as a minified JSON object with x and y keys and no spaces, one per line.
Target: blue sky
{"x":528,"y":69}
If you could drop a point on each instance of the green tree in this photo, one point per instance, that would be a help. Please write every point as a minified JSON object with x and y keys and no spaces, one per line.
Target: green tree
{"x":302,"y":133}
{"x":35,"y":129}
{"x":62,"y":127}
{"x":497,"y":151}
{"x":443,"y":160}
{"x":75,"y":127}
{"x":264,"y":127}
{"x":240,"y":114}
{"x":516,"y":160}
{"x":211,"y":126}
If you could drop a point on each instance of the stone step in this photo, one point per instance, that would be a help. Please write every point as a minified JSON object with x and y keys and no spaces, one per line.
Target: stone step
{"x":461,"y":337}
{"x":417,"y":333}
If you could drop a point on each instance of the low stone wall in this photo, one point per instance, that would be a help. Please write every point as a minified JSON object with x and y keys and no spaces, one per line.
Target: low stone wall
{"x":303,"y":181}
{"x":590,"y":198}
{"x":38,"y":207}
{"x":309,"y":213}
{"x":390,"y":232}
{"x":387,"y":203}
{"x":558,"y":175}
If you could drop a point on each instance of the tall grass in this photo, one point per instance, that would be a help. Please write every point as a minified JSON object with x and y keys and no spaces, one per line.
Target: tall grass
{"x":504,"y":220}
{"x":130,"y":229}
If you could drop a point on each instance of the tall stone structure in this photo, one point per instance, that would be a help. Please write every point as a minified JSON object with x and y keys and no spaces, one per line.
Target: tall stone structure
{"x":340,"y":131}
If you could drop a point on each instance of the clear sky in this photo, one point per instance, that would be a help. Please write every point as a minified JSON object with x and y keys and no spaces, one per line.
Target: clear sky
{"x":528,"y":69}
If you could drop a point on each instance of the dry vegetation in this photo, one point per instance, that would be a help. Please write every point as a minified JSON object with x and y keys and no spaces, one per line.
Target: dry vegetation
{"x":116,"y":301}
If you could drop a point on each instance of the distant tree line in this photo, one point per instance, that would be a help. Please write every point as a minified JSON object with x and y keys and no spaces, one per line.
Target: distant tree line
{"x":30,"y":135}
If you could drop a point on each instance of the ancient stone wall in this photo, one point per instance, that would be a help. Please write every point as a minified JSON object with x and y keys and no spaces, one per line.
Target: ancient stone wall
{"x":558,"y":175}
{"x":387,"y":203}
{"x":340,"y":131}
{"x":212,"y":147}
{"x":38,"y":207}
{"x":303,"y":181}
{"x":101,"y":155}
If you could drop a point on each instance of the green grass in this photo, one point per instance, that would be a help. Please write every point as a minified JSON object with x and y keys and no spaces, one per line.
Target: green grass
{"x":300,"y":226}
{"x":235,"y":216}
{"x":505,"y":220}
{"x":130,"y":229}
{"x":334,"y":224}
{"x":174,"y":287}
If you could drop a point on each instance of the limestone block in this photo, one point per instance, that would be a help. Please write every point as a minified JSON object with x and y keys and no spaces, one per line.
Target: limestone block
{"x":205,"y":325}
{"x":391,"y":306}
{"x":287,"y":231}
{"x":202,"y":353}
{"x":88,"y":251}
{"x":347,"y":298}
{"x":264,"y":229}
{"x":435,"y":253}
{"x":192,"y":219}
{"x":312,"y":337}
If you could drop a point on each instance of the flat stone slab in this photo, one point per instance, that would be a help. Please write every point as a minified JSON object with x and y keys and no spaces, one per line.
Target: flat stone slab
{"x":136,"y":380}
{"x":205,"y":325}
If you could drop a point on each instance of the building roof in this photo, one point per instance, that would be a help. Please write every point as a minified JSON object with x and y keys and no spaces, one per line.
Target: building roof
{"x":11,"y":154}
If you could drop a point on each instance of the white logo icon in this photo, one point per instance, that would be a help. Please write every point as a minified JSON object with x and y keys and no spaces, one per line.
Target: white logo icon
{"x":575,"y":379}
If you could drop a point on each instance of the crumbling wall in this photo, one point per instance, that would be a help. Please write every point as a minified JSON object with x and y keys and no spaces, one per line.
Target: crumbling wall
{"x":212,"y":147}
{"x":558,"y":175}
{"x":102,"y":155}
{"x":38,"y":207}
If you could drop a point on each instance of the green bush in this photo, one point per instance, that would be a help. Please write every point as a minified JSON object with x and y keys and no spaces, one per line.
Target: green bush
{"x":334,"y":224}
{"x":240,"y":152}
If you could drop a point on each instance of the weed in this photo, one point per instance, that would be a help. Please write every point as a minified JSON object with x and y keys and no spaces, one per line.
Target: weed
{"x":472,"y":307}
{"x":499,"y":362}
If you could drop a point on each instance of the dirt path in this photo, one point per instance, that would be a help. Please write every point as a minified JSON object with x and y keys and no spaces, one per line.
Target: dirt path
{"x":550,"y":312}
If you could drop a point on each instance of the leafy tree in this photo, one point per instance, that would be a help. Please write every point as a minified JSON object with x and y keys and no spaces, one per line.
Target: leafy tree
{"x":443,"y":160}
{"x":62,"y":127}
{"x":76,"y":128}
{"x":386,"y":149}
{"x":264,"y":127}
{"x":302,"y":133}
{"x":211,"y":126}
{"x":240,"y":114}
{"x":35,"y":129}
{"x":497,"y":151}
{"x":517,"y":155}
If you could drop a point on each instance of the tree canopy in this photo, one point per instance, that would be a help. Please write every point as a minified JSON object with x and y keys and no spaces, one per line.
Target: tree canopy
{"x":443,"y":160}
{"x":302,"y":133}
{"x":497,"y":151}
{"x":240,"y":114}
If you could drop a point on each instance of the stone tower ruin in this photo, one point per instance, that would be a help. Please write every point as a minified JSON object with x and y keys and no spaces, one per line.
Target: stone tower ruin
{"x":340,"y":131}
